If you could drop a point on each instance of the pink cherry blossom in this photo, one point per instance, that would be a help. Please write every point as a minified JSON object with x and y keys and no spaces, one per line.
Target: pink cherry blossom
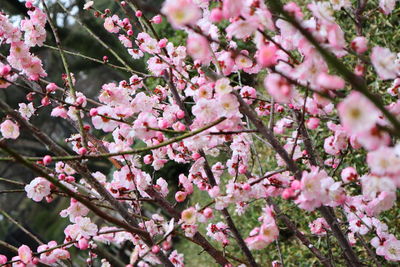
{"x":38,"y":188}
{"x":359,"y":44}
{"x":9,"y":129}
{"x":357,"y":114}
{"x":181,"y":12}
{"x":198,"y":48}
{"x":384,"y":62}
{"x":279,"y":88}
{"x":25,"y":254}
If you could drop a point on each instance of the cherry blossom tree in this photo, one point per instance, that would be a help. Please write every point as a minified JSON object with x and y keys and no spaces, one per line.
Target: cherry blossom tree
{"x":274,"y":106}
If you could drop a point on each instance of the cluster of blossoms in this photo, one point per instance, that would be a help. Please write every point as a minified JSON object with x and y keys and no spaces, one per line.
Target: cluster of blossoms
{"x":204,"y":114}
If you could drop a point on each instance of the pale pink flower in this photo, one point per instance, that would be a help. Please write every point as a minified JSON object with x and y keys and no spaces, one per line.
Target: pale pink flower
{"x":198,"y":48}
{"x":25,"y":110}
{"x":294,"y":10}
{"x":25,"y":254}
{"x":111,"y":24}
{"x":359,"y":44}
{"x":223,"y":87}
{"x":383,"y":202}
{"x":189,"y":216}
{"x":388,"y":246}
{"x":313,"y":192}
{"x":38,"y":188}
{"x":349,"y":174}
{"x":242,"y":29}
{"x":228,"y":105}
{"x":322,"y":11}
{"x":336,"y":39}
{"x":359,"y":224}
{"x":384,"y":62}
{"x":319,"y":226}
{"x":232,"y":8}
{"x":268,"y":232}
{"x":312,"y":123}
{"x":372,"y":185}
{"x":88,"y":5}
{"x":243,"y":61}
{"x":53,"y":255}
{"x":85,"y":227}
{"x":267,"y":55}
{"x":9,"y":129}
{"x":279,"y":88}
{"x":181,"y":12}
{"x":387,"y":6}
{"x":76,"y":209}
{"x":59,"y":111}
{"x":332,"y":82}
{"x":374,"y":138}
{"x":357,"y":114}
{"x":384,"y":161}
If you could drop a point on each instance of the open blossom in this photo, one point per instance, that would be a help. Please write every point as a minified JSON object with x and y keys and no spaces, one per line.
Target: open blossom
{"x":333,"y":82}
{"x":390,"y":250}
{"x":232,"y":8}
{"x":38,"y":188}
{"x":279,"y":88}
{"x":261,"y":237}
{"x":223,"y":87}
{"x":228,"y":105}
{"x":267,"y":56}
{"x":34,"y":27}
{"x":198,"y":48}
{"x":52,"y":256}
{"x":25,"y":254}
{"x":319,"y":226}
{"x":387,"y":6}
{"x":384,"y":62}
{"x":181,"y":12}
{"x":242,"y":29}
{"x":88,"y":5}
{"x":9,"y":129}
{"x":323,"y":11}
{"x":26,"y":110}
{"x":76,"y":209}
{"x":189,"y":216}
{"x":372,"y":185}
{"x":384,"y":161}
{"x":85,"y":227}
{"x":357,"y":114}
{"x":359,"y":44}
{"x":317,"y":189}
{"x":111,"y":24}
{"x":349,"y":174}
{"x":383,"y":202}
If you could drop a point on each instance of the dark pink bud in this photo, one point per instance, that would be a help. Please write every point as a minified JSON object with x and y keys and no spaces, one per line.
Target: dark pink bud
{"x":155,"y":249}
{"x":47,"y":160}
{"x":82,"y":151}
{"x":45,"y":101}
{"x":93,"y":112}
{"x":83,"y":244}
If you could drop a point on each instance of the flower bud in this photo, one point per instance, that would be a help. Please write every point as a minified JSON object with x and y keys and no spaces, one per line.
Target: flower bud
{"x":155,"y":249}
{"x":47,"y":160}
